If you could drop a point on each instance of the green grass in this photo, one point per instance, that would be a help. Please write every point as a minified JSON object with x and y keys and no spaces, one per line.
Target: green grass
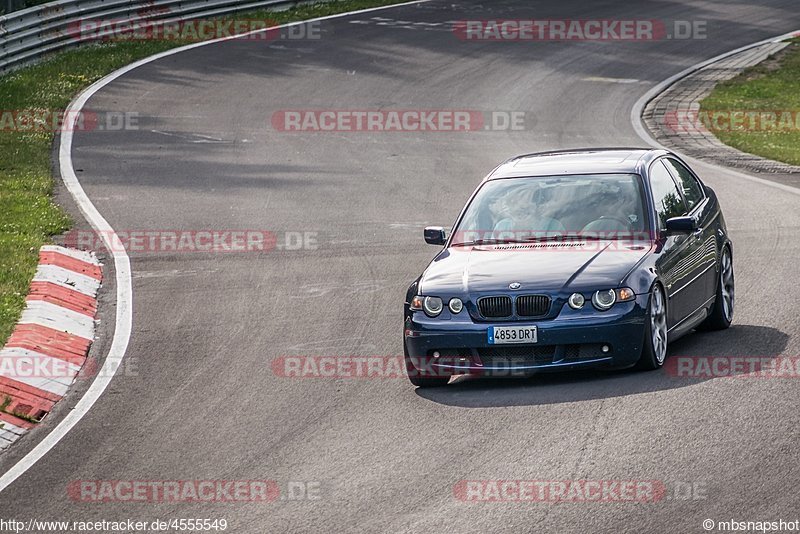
{"x":28,"y":216}
{"x":4,"y":408}
{"x":770,"y":86}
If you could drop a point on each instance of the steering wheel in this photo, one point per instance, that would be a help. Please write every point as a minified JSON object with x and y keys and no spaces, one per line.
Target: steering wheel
{"x":624,"y":223}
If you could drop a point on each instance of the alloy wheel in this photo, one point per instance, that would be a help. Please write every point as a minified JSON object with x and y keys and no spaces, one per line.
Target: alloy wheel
{"x":658,"y":325}
{"x":726,"y":284}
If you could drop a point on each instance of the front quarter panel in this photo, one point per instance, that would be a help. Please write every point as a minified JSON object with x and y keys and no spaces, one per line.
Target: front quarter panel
{"x":642,"y":277}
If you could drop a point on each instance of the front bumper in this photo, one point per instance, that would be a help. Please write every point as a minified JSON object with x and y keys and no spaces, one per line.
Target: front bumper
{"x":573,"y":339}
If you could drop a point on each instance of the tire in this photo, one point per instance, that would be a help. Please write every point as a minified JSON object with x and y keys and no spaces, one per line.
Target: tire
{"x":654,"y":348}
{"x":421,"y":377}
{"x":722,"y":313}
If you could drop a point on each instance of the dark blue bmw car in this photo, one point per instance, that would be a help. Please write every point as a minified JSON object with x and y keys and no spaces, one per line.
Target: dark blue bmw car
{"x":570,"y":259}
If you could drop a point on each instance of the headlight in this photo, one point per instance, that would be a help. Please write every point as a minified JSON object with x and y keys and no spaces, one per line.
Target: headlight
{"x":455,"y":305}
{"x":432,"y":306}
{"x":576,"y":301}
{"x":625,"y":294}
{"x":416,"y":303}
{"x":604,"y":299}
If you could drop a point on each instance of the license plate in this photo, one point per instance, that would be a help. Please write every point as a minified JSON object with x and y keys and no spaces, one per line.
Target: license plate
{"x":501,"y":335}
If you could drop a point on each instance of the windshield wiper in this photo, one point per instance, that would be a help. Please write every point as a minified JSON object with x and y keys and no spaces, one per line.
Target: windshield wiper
{"x":478,"y":242}
{"x":529,"y":239}
{"x":549,"y":237}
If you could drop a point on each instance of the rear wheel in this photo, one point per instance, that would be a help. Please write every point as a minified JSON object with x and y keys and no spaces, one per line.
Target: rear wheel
{"x":654,"y":349}
{"x":426,"y":377}
{"x":722,"y":312}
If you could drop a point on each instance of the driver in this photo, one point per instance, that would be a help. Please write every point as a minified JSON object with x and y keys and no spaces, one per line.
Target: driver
{"x":522,"y":217}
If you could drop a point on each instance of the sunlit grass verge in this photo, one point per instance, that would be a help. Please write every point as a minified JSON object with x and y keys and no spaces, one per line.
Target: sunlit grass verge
{"x":771,"y":86}
{"x":28,"y":215}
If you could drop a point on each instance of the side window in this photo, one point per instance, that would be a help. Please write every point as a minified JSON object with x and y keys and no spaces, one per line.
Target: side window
{"x":666,"y":196}
{"x":692,"y":191}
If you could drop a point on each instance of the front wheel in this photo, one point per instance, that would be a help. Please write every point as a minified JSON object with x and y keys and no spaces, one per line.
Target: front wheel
{"x":654,"y":349}
{"x":722,"y":312}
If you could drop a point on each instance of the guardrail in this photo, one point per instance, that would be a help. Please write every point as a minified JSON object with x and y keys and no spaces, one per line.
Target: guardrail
{"x":33,"y":33}
{"x":7,"y":6}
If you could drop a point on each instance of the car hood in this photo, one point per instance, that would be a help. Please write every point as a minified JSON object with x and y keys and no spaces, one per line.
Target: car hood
{"x":545,"y":267}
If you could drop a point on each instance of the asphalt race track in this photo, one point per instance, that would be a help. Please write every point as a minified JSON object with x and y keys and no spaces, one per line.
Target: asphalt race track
{"x":203,"y":401}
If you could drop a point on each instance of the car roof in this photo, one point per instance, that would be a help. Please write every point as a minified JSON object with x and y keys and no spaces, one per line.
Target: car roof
{"x":577,"y":161}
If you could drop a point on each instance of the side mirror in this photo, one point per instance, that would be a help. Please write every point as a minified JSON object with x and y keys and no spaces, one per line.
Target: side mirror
{"x":434,"y":235}
{"x":681,"y":225}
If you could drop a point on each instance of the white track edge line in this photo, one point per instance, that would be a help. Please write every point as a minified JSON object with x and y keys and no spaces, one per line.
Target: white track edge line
{"x":644,"y":133}
{"x":122,"y":266}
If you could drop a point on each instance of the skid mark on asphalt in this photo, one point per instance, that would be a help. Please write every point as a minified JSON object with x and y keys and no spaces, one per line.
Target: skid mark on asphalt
{"x":331,"y":343}
{"x":171,"y":273}
{"x":312,"y":291}
{"x":593,"y":437}
{"x":193,"y":138}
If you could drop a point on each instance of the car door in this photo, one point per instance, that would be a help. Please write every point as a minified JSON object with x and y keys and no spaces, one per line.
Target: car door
{"x":704,"y":287}
{"x":676,"y":262}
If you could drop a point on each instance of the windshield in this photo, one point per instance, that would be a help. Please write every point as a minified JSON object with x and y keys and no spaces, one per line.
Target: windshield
{"x":599,"y":206}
